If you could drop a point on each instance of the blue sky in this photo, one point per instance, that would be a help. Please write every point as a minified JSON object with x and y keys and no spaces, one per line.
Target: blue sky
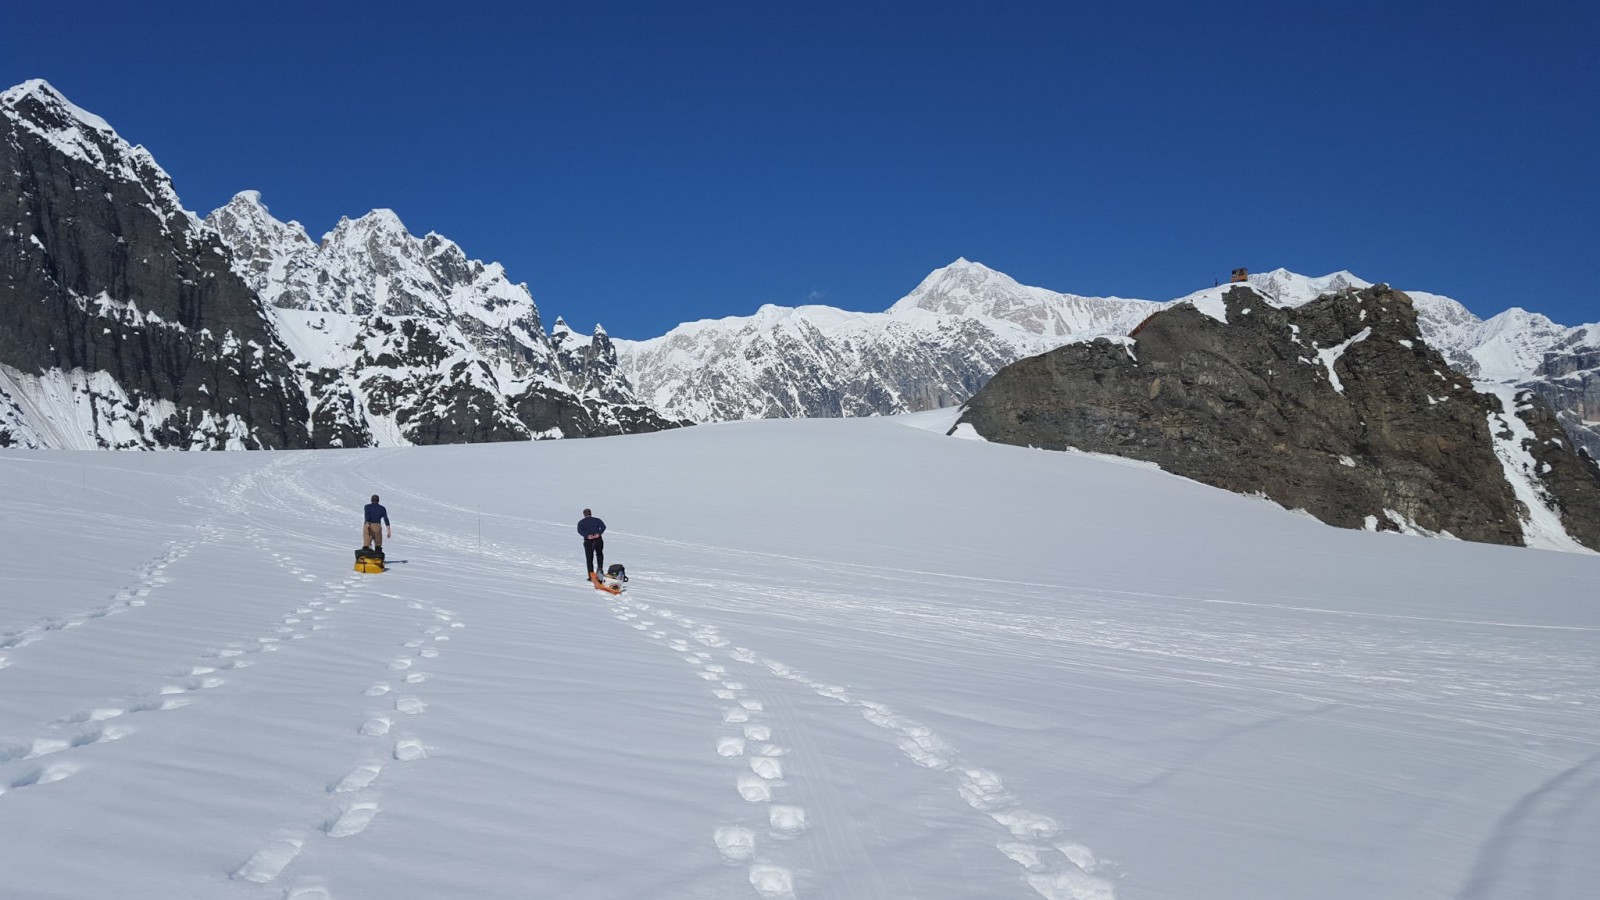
{"x":642,"y":164}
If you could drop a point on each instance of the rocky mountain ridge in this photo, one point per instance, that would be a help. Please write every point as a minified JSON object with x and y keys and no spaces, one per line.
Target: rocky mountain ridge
{"x":940,"y":343}
{"x":933,"y":348}
{"x":1514,"y":348}
{"x":407,"y":340}
{"x":127,"y":322}
{"x":373,"y":336}
{"x":122,"y":324}
{"x":1336,"y":406}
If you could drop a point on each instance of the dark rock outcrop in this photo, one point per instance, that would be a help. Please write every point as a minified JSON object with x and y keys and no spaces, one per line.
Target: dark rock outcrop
{"x":1336,"y":407}
{"x":128,"y":323}
{"x":115,"y":296}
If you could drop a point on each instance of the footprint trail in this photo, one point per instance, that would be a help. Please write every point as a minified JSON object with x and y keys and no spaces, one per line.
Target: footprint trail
{"x":1055,"y":867}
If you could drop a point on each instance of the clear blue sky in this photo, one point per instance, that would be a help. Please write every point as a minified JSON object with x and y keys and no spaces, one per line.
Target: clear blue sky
{"x":641,"y":164}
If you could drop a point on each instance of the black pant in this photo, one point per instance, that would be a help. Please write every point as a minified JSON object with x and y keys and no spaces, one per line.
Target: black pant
{"x":594,"y":554}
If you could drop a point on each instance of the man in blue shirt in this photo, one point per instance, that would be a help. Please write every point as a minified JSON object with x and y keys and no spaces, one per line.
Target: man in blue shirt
{"x":377,"y":518}
{"x":594,"y":548}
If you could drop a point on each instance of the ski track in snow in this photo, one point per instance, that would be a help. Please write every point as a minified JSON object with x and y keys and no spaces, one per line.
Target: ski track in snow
{"x":1054,"y":866}
{"x":761,"y":840}
{"x":779,"y":812}
{"x":1534,"y":837}
{"x":1196,"y":641}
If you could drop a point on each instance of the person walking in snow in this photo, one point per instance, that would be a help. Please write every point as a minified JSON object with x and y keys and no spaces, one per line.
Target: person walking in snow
{"x":594,"y":547}
{"x":376,"y":519}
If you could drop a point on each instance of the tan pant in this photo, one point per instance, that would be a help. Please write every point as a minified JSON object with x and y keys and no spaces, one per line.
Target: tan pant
{"x":372,"y":535}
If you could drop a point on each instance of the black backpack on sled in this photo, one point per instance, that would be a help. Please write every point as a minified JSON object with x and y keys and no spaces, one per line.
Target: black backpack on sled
{"x":369,"y":560}
{"x":617,"y":572}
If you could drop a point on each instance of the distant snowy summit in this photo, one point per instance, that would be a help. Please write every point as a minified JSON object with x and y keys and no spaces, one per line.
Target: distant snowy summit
{"x":127,"y":322}
{"x":943,"y":341}
{"x":935,"y":347}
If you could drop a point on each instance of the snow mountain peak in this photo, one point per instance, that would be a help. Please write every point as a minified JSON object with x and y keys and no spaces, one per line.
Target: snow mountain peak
{"x":960,"y":287}
{"x":381,"y":219}
{"x":35,"y":106}
{"x":54,"y":109}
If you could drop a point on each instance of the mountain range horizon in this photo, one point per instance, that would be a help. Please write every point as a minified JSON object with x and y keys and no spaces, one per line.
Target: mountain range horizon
{"x":256,"y":196}
{"x":128,"y":321}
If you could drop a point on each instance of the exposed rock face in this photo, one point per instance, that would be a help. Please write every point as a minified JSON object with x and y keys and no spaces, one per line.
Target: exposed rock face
{"x":1336,"y":407}
{"x":121,"y":323}
{"x":1569,"y":381}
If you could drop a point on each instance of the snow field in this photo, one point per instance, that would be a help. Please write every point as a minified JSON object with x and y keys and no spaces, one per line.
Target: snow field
{"x":856,"y":660}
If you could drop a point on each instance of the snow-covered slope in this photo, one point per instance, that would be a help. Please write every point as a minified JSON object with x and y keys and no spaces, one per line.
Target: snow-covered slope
{"x":972,"y":290}
{"x":856,"y":659}
{"x":931,"y":349}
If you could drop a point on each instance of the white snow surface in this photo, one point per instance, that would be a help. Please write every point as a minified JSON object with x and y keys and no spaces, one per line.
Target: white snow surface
{"x":856,"y":659}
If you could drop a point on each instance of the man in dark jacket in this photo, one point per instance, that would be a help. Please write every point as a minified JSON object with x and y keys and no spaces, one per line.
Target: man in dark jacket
{"x":594,"y":548}
{"x":376,"y":518}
